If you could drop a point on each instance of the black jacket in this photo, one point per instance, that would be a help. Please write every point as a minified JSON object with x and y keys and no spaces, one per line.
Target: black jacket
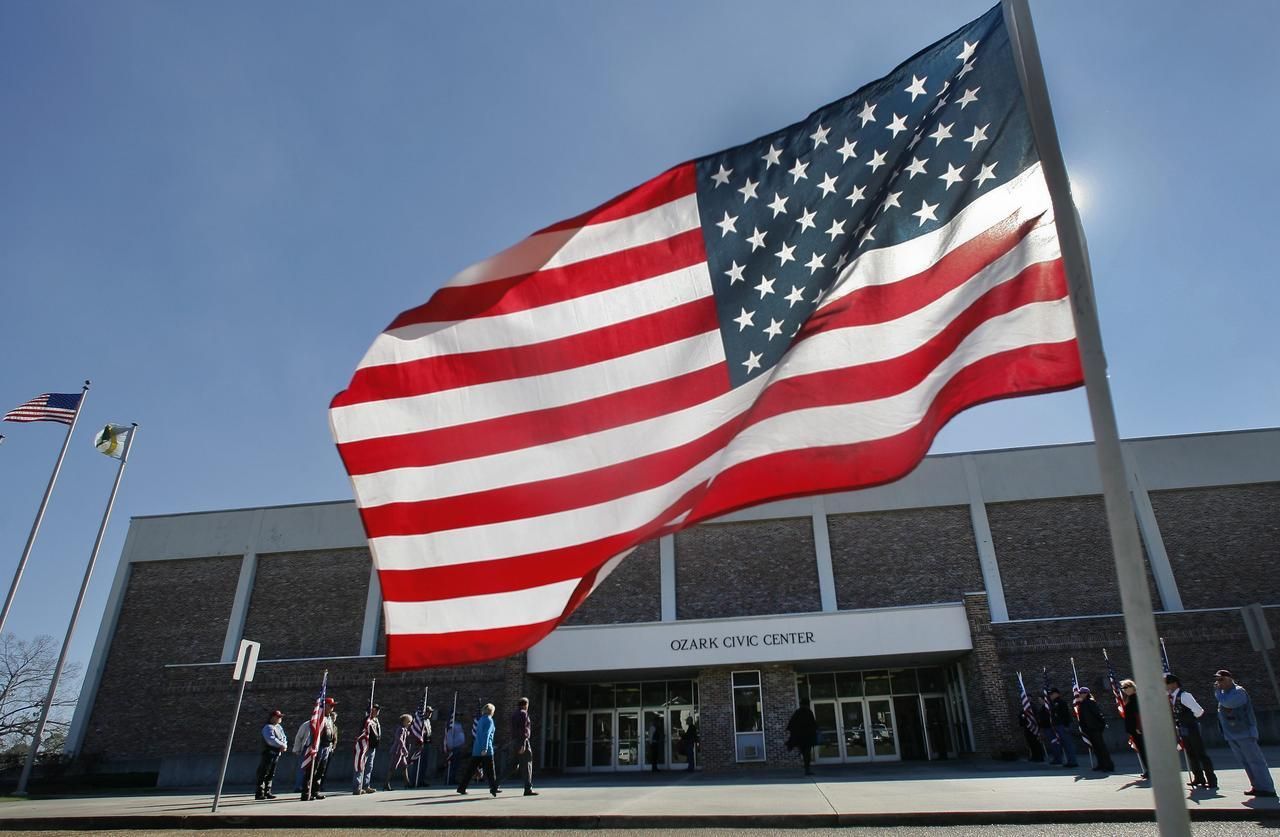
{"x":1132,"y":717}
{"x":1061,"y":713}
{"x":1091,"y":719}
{"x":803,"y":727}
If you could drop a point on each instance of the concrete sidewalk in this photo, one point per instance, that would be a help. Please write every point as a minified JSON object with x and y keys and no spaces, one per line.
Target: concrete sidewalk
{"x":928,"y":794}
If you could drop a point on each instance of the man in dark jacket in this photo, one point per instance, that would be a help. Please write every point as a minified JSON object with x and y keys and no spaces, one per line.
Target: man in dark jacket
{"x":803,"y":729}
{"x":1186,"y":723}
{"x":521,"y":745}
{"x":1092,"y":724}
{"x":1060,"y":730}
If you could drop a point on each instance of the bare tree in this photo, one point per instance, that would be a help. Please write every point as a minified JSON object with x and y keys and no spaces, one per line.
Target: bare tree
{"x":26,"y":669}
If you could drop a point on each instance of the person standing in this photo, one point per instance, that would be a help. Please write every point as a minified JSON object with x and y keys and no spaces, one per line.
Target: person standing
{"x":1092,"y":725}
{"x":301,"y":741}
{"x":426,"y":755}
{"x":400,"y":752}
{"x":482,"y":752}
{"x":522,"y":745}
{"x":274,"y":745}
{"x":1060,"y":735}
{"x":690,"y":739}
{"x":373,"y":735}
{"x":328,"y":740}
{"x":1186,"y":720}
{"x":1133,"y":721}
{"x":802,"y":732}
{"x":1240,"y":728}
{"x":455,"y":740}
{"x":654,"y":737}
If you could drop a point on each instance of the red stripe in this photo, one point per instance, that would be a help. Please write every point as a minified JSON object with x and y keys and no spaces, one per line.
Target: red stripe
{"x":671,"y":184}
{"x":556,"y":284}
{"x":418,"y":651}
{"x":538,"y":427}
{"x":436,"y":374}
{"x":838,"y":386}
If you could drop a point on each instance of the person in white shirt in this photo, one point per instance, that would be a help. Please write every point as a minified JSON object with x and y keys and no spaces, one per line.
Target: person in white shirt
{"x":1186,"y":721}
{"x":274,"y":744}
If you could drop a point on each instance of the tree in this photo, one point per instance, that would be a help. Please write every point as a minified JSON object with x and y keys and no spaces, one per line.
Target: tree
{"x":26,"y":669}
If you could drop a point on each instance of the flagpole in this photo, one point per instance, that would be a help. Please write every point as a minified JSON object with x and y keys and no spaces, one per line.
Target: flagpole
{"x":1075,"y":696}
{"x":422,"y":746}
{"x":1135,"y":598}
{"x":311,"y":774}
{"x":75,"y":613}
{"x":35,"y":527}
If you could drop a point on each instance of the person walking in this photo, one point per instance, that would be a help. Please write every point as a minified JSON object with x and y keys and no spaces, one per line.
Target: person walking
{"x":802,"y":731}
{"x":690,"y":739}
{"x":654,"y":738}
{"x":455,"y":740}
{"x":522,"y":746}
{"x":426,"y":754}
{"x":1133,"y":722}
{"x":1186,"y":720}
{"x":1240,"y":729}
{"x":400,"y":752}
{"x":1093,"y":725}
{"x":482,"y":752}
{"x":373,"y":734}
{"x":1060,"y":736}
{"x":274,"y":744}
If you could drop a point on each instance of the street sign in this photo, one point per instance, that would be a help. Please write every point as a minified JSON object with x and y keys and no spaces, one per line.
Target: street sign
{"x":1255,"y":623}
{"x":246,"y":660}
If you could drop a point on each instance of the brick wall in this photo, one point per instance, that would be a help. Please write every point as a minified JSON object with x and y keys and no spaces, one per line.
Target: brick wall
{"x":716,"y":725}
{"x":293,"y":617}
{"x":888,"y":559}
{"x":987,"y":685}
{"x":747,"y":569}
{"x":1223,"y":543}
{"x":631,"y":593}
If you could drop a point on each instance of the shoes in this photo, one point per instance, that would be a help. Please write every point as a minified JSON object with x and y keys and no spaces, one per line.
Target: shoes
{"x":258,"y":796}
{"x":530,"y":792}
{"x":318,"y":796}
{"x":269,"y":795}
{"x":461,"y":791}
{"x":495,"y":793}
{"x":374,"y":790}
{"x":1143,"y":776}
{"x":1072,"y":764}
{"x":305,"y":798}
{"x":1265,"y":794}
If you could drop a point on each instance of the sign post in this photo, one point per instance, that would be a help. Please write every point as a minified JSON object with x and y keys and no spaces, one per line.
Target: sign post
{"x":246,"y":664}
{"x":1255,"y":623}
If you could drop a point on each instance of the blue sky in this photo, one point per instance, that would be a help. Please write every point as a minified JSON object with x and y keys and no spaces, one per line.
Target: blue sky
{"x":212,"y":209}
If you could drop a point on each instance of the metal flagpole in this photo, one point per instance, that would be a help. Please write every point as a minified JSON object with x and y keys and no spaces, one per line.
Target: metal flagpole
{"x":1182,"y":748}
{"x":1075,"y":694}
{"x":311,"y":774}
{"x":1139,"y":620}
{"x":75,"y":613}
{"x":453,"y":720}
{"x":422,"y":748}
{"x":35,"y":527}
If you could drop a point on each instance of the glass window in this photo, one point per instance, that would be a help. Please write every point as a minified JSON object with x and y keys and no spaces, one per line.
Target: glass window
{"x":802,"y":686}
{"x":904,"y":681}
{"x":576,"y":697}
{"x":876,"y":682}
{"x":747,"y":715}
{"x":849,"y":684}
{"x":627,"y":694}
{"x":680,"y":692}
{"x":822,"y":686}
{"x":750,"y":746}
{"x":601,"y":695}
{"x":655,"y":694}
{"x":746,"y":678}
{"x":931,"y":679}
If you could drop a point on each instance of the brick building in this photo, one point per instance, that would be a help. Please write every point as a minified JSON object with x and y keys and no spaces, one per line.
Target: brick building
{"x":903,"y":612}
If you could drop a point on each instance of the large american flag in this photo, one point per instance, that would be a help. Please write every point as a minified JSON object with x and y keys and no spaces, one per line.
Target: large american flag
{"x":1116,"y":691}
{"x":50,"y":406}
{"x":797,"y":315}
{"x":317,"y":721}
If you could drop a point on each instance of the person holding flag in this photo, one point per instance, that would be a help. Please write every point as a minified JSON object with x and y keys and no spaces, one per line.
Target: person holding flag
{"x":455,"y":741}
{"x":1092,"y":725}
{"x":308,"y":738}
{"x":366,"y":748}
{"x":400,"y":747}
{"x":1133,"y":721}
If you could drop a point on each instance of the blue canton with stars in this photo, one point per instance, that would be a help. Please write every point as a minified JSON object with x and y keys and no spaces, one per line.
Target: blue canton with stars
{"x":783,"y":215}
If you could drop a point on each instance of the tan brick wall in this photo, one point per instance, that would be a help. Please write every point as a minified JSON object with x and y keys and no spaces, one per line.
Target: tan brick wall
{"x":747,"y":569}
{"x":889,"y":559}
{"x":309,"y":604}
{"x":631,"y":593}
{"x":716,"y":726}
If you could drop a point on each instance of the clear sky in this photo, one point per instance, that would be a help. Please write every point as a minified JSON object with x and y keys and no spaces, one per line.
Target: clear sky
{"x":211,"y":210}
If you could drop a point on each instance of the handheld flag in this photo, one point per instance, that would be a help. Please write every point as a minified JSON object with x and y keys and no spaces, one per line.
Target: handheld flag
{"x":111,"y":440}
{"x":51,"y":406}
{"x":797,"y":315}
{"x":1028,"y":713}
{"x":317,"y":721}
{"x":1116,"y":691}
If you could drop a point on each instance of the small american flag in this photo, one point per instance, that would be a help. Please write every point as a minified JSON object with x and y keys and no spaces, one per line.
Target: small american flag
{"x":51,"y":406}
{"x":418,"y":730}
{"x":1028,"y":713}
{"x":1048,"y":705}
{"x":1116,"y":691}
{"x":362,"y":745}
{"x":317,"y":721}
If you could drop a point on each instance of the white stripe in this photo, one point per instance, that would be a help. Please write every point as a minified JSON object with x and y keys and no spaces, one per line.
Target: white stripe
{"x":832,"y":349}
{"x":563,"y":247}
{"x":548,"y":322}
{"x":480,"y":613}
{"x":493,"y":400}
{"x":1030,"y":325}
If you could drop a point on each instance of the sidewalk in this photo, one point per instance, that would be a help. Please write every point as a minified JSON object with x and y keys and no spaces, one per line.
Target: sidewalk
{"x":923,"y":794}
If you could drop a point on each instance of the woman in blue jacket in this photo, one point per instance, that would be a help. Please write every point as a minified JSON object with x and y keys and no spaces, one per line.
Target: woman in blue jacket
{"x":482,"y":752}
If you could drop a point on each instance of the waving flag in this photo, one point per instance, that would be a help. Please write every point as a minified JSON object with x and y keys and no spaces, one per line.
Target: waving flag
{"x":1028,"y":713}
{"x":1116,"y":691}
{"x":796,"y":315}
{"x":111,"y":440}
{"x":51,"y":406}
{"x":317,"y":721}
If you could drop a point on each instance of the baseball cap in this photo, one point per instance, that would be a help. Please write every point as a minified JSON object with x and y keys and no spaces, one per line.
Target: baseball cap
{"x":330,"y":701}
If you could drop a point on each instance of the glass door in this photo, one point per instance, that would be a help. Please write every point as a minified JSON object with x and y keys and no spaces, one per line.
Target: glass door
{"x":853,"y":725}
{"x":629,"y":752}
{"x":828,"y":749}
{"x":575,"y":741}
{"x":883,"y":731}
{"x":602,"y":740}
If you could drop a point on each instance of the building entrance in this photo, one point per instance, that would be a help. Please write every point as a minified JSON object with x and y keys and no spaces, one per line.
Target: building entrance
{"x":623,"y":727}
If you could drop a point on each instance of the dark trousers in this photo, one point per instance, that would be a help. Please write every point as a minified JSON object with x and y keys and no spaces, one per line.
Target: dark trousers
{"x":1141,"y":744}
{"x":522,"y":764}
{"x":266,"y":771}
{"x":806,"y":753}
{"x":485,"y":761}
{"x":1100,"y":751}
{"x":1199,"y":761}
{"x":318,"y":770}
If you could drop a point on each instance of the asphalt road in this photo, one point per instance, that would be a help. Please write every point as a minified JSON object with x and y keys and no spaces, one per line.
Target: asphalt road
{"x":1215,"y":829}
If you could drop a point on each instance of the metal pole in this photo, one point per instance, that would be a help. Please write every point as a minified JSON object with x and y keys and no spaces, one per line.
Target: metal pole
{"x":35,"y":527}
{"x":1139,"y":620}
{"x":422,"y":751}
{"x":226,"y":754}
{"x":75,"y":616}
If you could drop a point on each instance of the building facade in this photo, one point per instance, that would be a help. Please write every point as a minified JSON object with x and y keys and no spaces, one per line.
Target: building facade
{"x":902,"y":612}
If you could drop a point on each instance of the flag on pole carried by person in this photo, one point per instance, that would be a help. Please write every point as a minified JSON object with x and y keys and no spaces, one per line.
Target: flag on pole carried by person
{"x":363,"y":739}
{"x":1116,"y":691}
{"x":417,"y":730}
{"x":111,"y":440}
{"x":50,"y":406}
{"x":317,"y":721}
{"x":1028,"y":712}
{"x":797,"y":315}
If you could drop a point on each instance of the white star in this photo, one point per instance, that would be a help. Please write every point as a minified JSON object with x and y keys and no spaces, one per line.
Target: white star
{"x":938,"y":105}
{"x":721,"y":177}
{"x":837,"y":228}
{"x":898,"y":125}
{"x":779,"y":205}
{"x":968,"y":97}
{"x":806,"y":220}
{"x":925,"y":213}
{"x":916,"y":88}
{"x":797,"y":172}
{"x":915,"y":140}
{"x":756,"y":238}
{"x":856,"y":195}
{"x":796,"y":295}
{"x":735,"y":273}
{"x":842,"y":261}
{"x":814,"y":263}
{"x":891,"y":201}
{"x":942,"y":132}
{"x":727,"y":225}
{"x":819,"y":136}
{"x":828,"y":185}
{"x":784,"y":255}
{"x":867,"y":236}
{"x":979,"y":134}
{"x":744,"y":319}
{"x":772,"y":157}
{"x":965,"y":70}
{"x":848,"y":150}
{"x":752,"y":362}
{"x":967,"y":52}
{"x":774,"y":328}
{"x":868,"y":113}
{"x":916,"y":167}
{"x":877,"y":160}
{"x":952,"y":176}
{"x":987,"y":173}
{"x":748,"y":190}
{"x":766,"y":286}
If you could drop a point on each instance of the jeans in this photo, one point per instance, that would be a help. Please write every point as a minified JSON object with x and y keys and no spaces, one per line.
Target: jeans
{"x":1060,"y":744}
{"x":362,"y":779}
{"x":457,"y":761}
{"x":266,"y":771}
{"x":1255,"y":763}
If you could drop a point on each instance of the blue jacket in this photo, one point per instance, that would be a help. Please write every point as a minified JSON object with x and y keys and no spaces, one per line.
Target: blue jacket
{"x":484,"y":736}
{"x":1235,"y":714}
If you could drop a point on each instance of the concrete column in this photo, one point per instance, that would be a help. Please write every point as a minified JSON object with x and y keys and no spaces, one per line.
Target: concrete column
{"x":822,"y":553}
{"x":1149,"y":528}
{"x":372,"y":610}
{"x":667,"y":570}
{"x":986,"y":547}
{"x":240,"y":607}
